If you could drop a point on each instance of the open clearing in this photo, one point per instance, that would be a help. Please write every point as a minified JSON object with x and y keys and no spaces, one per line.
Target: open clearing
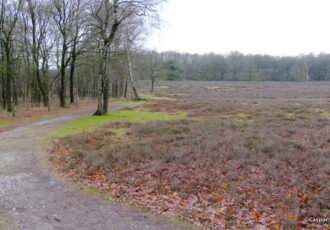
{"x":251,"y":158}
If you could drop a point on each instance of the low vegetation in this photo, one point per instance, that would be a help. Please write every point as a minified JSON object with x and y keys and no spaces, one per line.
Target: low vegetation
{"x":5,"y":123}
{"x":91,"y":123}
{"x":220,"y":164}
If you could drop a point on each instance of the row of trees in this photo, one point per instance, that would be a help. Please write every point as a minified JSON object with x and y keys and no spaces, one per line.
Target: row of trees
{"x":92,"y":48}
{"x":82,"y":47}
{"x":239,"y":67}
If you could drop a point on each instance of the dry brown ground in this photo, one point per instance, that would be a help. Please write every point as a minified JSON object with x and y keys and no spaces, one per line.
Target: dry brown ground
{"x":235,"y":161}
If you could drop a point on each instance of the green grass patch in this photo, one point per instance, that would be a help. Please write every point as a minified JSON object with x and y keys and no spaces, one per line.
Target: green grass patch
{"x":238,"y":118}
{"x":162,"y":87}
{"x":298,"y":104}
{"x":119,"y":102}
{"x":96,"y":191}
{"x":235,"y":115}
{"x":150,"y":96}
{"x":90,"y":123}
{"x":120,"y":132}
{"x":323,"y":112}
{"x":221,"y":88}
{"x":290,"y":115}
{"x":225,"y":89}
{"x":173,"y":94}
{"x":4,"y":123}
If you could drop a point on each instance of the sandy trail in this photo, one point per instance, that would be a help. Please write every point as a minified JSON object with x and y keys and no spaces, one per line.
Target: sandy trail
{"x":31,"y":197}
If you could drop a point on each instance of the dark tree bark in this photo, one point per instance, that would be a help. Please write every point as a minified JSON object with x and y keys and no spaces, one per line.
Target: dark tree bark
{"x":7,"y":25}
{"x":101,"y":84}
{"x":126,"y":86}
{"x":3,"y":91}
{"x":62,"y":75}
{"x":9,"y":77}
{"x":38,"y":35}
{"x":152,"y":84}
{"x":72,"y":70}
{"x":105,"y":96}
{"x":74,"y":53}
{"x":15,"y":93}
{"x":3,"y":81}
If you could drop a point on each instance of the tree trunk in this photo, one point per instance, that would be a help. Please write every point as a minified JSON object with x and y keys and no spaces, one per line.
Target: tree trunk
{"x":63,"y":86}
{"x":103,"y":85}
{"x":48,"y":101}
{"x":3,"y":91}
{"x":152,"y":84}
{"x":125,"y":91}
{"x":8,"y":94}
{"x":105,"y":96}
{"x":15,"y":96}
{"x":100,"y":85}
{"x":130,"y":72}
{"x":9,"y":77}
{"x":72,"y":69}
{"x":42,"y":87}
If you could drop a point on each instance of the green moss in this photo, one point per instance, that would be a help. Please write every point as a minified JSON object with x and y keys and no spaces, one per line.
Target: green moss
{"x":96,"y":191}
{"x":91,"y":190}
{"x":184,"y":223}
{"x":90,"y":123}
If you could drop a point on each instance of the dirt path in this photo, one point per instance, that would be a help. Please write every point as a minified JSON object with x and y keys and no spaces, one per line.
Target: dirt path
{"x":32,"y":198}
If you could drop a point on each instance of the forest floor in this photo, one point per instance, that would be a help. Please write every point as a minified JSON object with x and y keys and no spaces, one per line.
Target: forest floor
{"x":223,"y":155}
{"x":34,"y":197}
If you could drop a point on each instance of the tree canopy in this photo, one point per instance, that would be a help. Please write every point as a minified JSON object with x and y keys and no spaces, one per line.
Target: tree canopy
{"x":238,"y":67}
{"x":171,"y":71}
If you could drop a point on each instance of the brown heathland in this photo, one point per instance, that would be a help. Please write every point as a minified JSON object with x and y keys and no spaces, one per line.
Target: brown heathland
{"x":232,"y":162}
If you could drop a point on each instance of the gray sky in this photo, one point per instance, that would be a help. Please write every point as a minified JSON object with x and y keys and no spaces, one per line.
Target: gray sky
{"x":275,"y":27}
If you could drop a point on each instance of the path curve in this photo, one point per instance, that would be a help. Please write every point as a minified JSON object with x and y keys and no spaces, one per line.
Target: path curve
{"x":32,"y":198}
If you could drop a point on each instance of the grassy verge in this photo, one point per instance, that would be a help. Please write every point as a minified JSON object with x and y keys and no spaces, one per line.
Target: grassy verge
{"x":4,"y":123}
{"x":90,"y":123}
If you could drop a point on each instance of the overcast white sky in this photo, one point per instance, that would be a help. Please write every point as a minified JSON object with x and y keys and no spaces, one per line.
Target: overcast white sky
{"x":275,"y":27}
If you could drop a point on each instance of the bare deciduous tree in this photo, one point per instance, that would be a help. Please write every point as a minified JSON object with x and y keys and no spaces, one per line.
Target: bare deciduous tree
{"x":109,"y":15}
{"x":8,"y":17}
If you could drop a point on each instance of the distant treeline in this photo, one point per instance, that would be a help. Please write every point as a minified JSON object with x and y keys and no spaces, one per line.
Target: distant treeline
{"x":238,"y":67}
